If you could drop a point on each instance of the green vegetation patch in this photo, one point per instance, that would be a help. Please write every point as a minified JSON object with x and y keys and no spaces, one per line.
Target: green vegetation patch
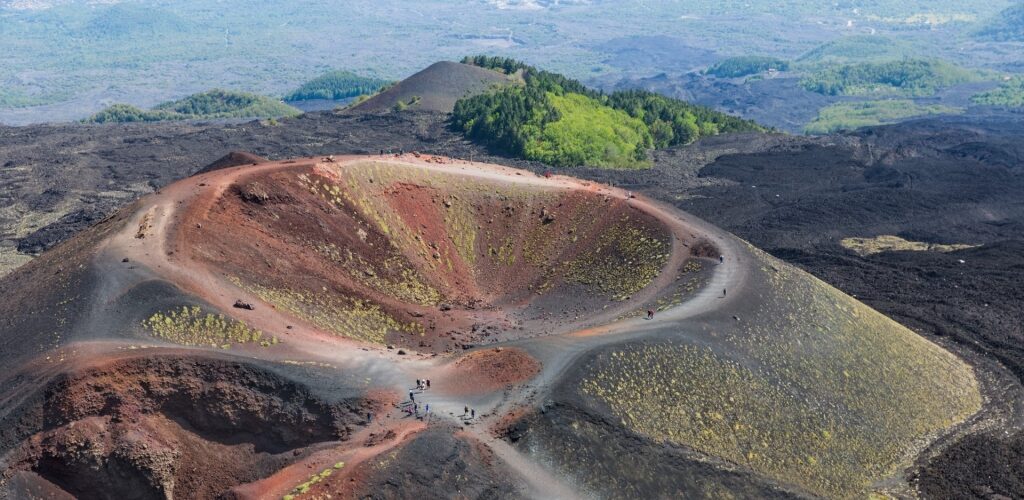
{"x":912,"y":77}
{"x":853,"y":115}
{"x":214,"y":104}
{"x":336,"y":85}
{"x":1009,"y":94}
{"x":190,"y":326}
{"x":559,"y":121}
{"x":888,"y":243}
{"x":736,"y":67}
{"x":858,"y":48}
{"x":811,"y":387}
{"x":588,"y":133}
{"x":626,"y":258}
{"x":338,"y":314}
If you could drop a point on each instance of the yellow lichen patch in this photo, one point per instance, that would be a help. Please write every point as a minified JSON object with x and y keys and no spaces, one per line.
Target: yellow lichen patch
{"x":303,"y":488}
{"x":337,"y":314}
{"x":460,"y":224}
{"x":504,"y":254}
{"x":810,"y":387}
{"x":626,"y":258}
{"x":393,"y":278}
{"x":190,"y":326}
{"x":888,"y":243}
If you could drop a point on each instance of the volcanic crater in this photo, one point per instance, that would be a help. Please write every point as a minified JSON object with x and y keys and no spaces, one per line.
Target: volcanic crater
{"x":425,"y":256}
{"x":271,"y":329}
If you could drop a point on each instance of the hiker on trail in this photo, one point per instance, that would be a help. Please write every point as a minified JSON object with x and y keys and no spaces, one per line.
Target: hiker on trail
{"x":465,"y":410}
{"x":412,"y":397}
{"x":472,"y":413}
{"x":428,"y":383}
{"x":426,"y":409}
{"x":721,"y":259}
{"x":650,"y":314}
{"x":419,"y":383}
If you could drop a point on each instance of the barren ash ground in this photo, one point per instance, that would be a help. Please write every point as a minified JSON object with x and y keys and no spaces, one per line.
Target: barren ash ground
{"x":256,"y":331}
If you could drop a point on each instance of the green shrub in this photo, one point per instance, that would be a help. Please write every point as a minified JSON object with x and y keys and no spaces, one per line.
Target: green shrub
{"x":191,"y":327}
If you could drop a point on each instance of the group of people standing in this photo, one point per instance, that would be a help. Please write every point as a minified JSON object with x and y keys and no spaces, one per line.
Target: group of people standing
{"x":412,"y":407}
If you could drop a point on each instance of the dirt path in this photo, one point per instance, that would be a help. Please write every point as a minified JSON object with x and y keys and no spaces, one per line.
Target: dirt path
{"x":157,"y":250}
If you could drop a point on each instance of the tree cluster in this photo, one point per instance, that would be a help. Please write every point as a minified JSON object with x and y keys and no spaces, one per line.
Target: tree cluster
{"x":214,"y":104}
{"x":337,"y":85}
{"x":736,"y":67}
{"x":548,"y":116}
{"x":908,"y":76}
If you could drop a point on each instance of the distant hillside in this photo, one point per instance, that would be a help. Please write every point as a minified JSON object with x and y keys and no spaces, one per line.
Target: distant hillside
{"x":213,"y":104}
{"x":911,"y":77}
{"x":436,"y":88}
{"x":123,"y":20}
{"x":736,"y":67}
{"x":857,"y":48}
{"x":336,"y":85}
{"x":559,"y":121}
{"x":1007,"y":26}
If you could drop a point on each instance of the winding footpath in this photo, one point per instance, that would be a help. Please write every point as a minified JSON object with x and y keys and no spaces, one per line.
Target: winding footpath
{"x":159,"y":254}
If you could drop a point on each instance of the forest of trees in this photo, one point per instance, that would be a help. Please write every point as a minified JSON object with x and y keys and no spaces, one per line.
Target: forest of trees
{"x":912,"y":77}
{"x":560,"y":121}
{"x":1009,"y":94}
{"x":212,"y":104}
{"x":337,"y":85}
{"x":735,"y":67}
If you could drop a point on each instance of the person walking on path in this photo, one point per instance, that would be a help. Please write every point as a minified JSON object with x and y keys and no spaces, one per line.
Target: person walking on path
{"x":650,"y":314}
{"x":428,"y":383}
{"x":723,"y":292}
{"x":369,"y":417}
{"x":472,"y":413}
{"x":465,"y":411}
{"x":721,"y":259}
{"x":412,"y":397}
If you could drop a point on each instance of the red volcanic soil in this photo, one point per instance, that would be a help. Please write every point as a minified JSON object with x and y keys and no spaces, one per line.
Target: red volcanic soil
{"x":416,"y":255}
{"x":361,"y":267}
{"x":489,"y":370}
{"x":171,"y":425}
